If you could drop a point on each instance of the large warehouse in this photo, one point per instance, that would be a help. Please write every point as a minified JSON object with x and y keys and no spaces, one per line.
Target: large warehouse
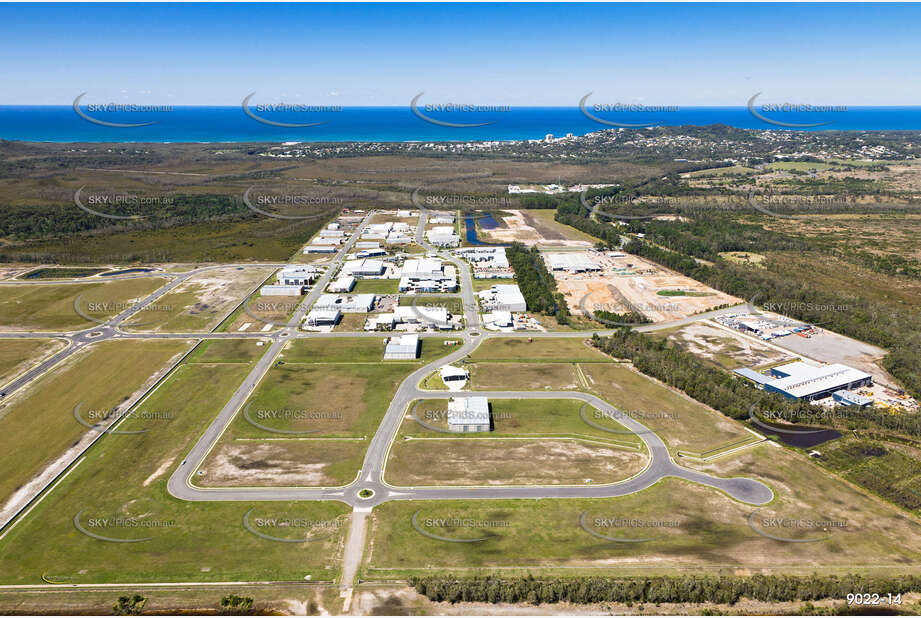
{"x":799,"y":380}
{"x":577,"y":262}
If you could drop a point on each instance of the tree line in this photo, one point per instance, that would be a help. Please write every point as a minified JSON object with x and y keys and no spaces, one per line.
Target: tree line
{"x":662,"y":589}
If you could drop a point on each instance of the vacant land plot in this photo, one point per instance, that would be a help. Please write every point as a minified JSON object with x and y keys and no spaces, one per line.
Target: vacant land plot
{"x":514,"y":461}
{"x":307,"y":424}
{"x":630,"y":283}
{"x":376,"y":286}
{"x":679,"y":420}
{"x":124,"y":478}
{"x":17,"y":355}
{"x":284,"y":463}
{"x":262,"y":314}
{"x":358,"y":350}
{"x":681,"y":526}
{"x":519,"y":349}
{"x":227,"y":351}
{"x":543,"y":441}
{"x":202,"y":302}
{"x":535,"y":228}
{"x":50,"y":307}
{"x":523,"y":376}
{"x":723,"y":347}
{"x":38,"y":425}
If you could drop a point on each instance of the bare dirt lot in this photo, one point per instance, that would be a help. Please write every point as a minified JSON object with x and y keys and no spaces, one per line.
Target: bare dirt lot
{"x":533,"y":229}
{"x":491,"y":461}
{"x":631,"y":283}
{"x":724,"y":347}
{"x":284,"y":463}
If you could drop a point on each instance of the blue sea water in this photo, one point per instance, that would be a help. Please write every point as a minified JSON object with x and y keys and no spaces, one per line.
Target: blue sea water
{"x":399,"y":124}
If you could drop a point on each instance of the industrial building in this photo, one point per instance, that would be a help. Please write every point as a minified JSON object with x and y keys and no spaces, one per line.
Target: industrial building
{"x":799,"y":380}
{"x":344,"y":283}
{"x":502,"y":297}
{"x":443,"y":236}
{"x":281,"y":290}
{"x":487,"y":262}
{"x":352,"y":303}
{"x":469,"y":414}
{"x":405,"y":347}
{"x":298,"y":275}
{"x":363,"y":267}
{"x":427,"y":275}
{"x":442,"y":219}
{"x":571,"y":262}
{"x":322,"y":317}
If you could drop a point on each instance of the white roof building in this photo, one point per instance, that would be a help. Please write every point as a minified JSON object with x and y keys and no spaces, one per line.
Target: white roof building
{"x":344,"y":283}
{"x":322,"y":317}
{"x":352,"y":303}
{"x":297,"y":275}
{"x":443,"y":236}
{"x":431,"y":316}
{"x":503,"y":297}
{"x":363,"y":267}
{"x":468,"y":414}
{"x":576,"y":262}
{"x":423,"y":268}
{"x":280,"y":290}
{"x":402,"y":348}
{"x":799,"y":380}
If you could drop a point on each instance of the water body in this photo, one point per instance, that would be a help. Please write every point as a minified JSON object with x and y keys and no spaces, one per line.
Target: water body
{"x":486,"y":222}
{"x":399,"y":124}
{"x":127,"y":272}
{"x":806,"y":436}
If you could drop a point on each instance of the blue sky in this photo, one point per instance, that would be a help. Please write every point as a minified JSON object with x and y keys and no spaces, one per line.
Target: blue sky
{"x":513,"y":54}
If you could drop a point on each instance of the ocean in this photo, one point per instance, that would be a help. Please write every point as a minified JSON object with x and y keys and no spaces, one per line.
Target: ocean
{"x":400,"y":124}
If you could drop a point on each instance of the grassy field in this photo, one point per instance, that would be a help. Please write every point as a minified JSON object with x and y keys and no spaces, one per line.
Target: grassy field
{"x":17,"y":355}
{"x":51,"y":307}
{"x":126,"y":475}
{"x":332,"y":408}
{"x":227,"y":351}
{"x":687,"y":526}
{"x":517,"y":349}
{"x":376,"y":286}
{"x":523,"y":376}
{"x":202,"y":302}
{"x":358,"y":350}
{"x":532,"y":442}
{"x":262,"y":313}
{"x":544,"y":218}
{"x":38,"y":424}
{"x":679,"y":420}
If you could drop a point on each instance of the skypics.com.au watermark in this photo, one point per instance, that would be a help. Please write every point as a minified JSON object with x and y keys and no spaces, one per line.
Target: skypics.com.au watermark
{"x":606,"y":528}
{"x":780,"y":528}
{"x":301,"y":205}
{"x":103,"y":528}
{"x":103,"y":420}
{"x":278,"y":528}
{"x":791,"y":108}
{"x":117,"y":108}
{"x":454,"y":108}
{"x":91,"y":203}
{"x":253,"y":111}
{"x":427,"y":526}
{"x":320,"y":420}
{"x":622,"y":108}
